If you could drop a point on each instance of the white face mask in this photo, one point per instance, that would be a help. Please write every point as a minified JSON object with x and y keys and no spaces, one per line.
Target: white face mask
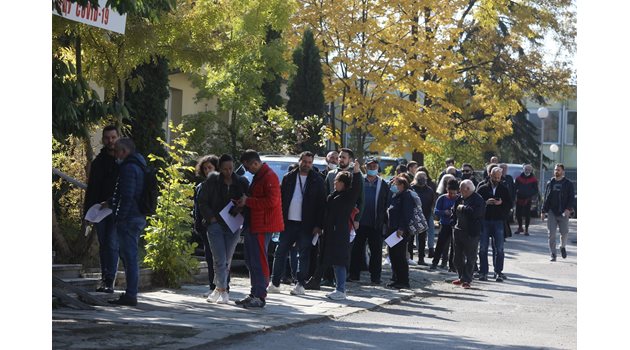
{"x":332,"y":166}
{"x":119,"y":161}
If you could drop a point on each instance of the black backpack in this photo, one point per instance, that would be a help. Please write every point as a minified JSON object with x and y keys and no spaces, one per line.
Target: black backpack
{"x":150,"y":192}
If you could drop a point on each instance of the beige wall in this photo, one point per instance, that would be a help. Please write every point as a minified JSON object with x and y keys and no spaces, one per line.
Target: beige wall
{"x":181,"y":82}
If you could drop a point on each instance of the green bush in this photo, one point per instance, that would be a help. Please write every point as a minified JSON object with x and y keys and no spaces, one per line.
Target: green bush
{"x":168,"y":252}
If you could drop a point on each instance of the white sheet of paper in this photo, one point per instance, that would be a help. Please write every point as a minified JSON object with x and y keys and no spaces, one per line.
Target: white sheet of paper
{"x":233,"y":222}
{"x":95,"y":214}
{"x":352,"y":234}
{"x":315,"y":239}
{"x":393,"y":239}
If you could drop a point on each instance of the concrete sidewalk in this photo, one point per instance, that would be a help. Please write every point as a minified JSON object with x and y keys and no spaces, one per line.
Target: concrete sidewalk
{"x":181,"y":318}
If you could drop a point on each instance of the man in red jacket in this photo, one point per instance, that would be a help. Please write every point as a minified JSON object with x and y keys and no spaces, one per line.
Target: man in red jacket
{"x":264,"y":201}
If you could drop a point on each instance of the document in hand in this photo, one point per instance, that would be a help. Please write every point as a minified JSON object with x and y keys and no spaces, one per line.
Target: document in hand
{"x":96,"y":213}
{"x":353,"y":234}
{"x":315,"y":238}
{"x":393,"y":239}
{"x":233,"y":222}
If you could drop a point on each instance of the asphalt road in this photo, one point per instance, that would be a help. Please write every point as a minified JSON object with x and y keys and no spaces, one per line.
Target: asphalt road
{"x":536,"y":308}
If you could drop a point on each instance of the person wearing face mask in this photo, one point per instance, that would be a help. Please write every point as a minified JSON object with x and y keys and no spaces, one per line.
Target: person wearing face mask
{"x":206,"y":165}
{"x":427,"y":197}
{"x":100,"y":187}
{"x":498,"y":204}
{"x":526,"y":188}
{"x":443,"y":209}
{"x":400,"y":213}
{"x":126,"y":212}
{"x":377,"y":196}
{"x":332,"y":162}
{"x":468,"y":173}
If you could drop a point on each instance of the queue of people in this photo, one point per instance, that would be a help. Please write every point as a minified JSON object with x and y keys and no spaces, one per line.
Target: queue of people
{"x":330,"y":218}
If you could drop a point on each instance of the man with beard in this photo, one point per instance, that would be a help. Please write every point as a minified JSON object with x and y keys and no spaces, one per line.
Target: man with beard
{"x":558,"y":205}
{"x":526,"y":187}
{"x":303,"y":203}
{"x":468,"y":173}
{"x":498,"y":204}
{"x":101,"y":183}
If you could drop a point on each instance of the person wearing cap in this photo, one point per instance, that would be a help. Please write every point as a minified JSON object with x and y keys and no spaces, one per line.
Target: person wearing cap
{"x":376,"y":195}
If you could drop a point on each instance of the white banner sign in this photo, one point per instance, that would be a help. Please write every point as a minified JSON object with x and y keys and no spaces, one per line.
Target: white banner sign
{"x":102,"y":17}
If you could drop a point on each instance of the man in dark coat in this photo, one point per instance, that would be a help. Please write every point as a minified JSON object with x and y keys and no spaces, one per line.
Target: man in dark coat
{"x":498,"y":204}
{"x":129,"y":219}
{"x":558,"y":205}
{"x":377,"y":195}
{"x":303,"y":201}
{"x":101,"y":182}
{"x":526,"y":187}
{"x":469,"y":210}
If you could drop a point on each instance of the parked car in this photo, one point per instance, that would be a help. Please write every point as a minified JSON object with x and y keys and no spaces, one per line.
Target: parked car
{"x":280,"y":165}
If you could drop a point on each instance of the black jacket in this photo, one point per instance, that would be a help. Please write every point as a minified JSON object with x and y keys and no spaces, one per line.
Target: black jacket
{"x":468,"y":214}
{"x":566,"y":196}
{"x":102,"y":180}
{"x":214,"y":195}
{"x":339,"y":206}
{"x":383,"y":197}
{"x":427,"y":196}
{"x":496,"y":212}
{"x":313,"y":199}
{"x":400,"y":212}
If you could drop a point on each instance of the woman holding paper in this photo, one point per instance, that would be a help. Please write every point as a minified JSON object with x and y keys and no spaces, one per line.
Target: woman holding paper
{"x":400,"y":212}
{"x":216,"y":193}
{"x":339,"y":207}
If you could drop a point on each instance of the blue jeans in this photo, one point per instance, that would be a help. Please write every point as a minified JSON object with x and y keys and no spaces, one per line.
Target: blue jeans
{"x":128,"y":231}
{"x":294,"y":232}
{"x":431,"y":233}
{"x":491,"y":229}
{"x":222,"y":243}
{"x":340,"y":277}
{"x":108,"y":249}
{"x":255,"y":246}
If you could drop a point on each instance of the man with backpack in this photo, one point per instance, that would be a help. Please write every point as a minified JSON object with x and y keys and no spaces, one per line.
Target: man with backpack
{"x":130,"y":208}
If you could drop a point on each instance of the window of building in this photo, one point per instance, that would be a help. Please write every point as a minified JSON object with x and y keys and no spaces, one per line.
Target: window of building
{"x":571,"y":131}
{"x":552,"y":125}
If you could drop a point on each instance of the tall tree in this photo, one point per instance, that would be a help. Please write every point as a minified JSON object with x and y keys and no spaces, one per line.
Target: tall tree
{"x":306,"y":88}
{"x":146,"y":93}
{"x":271,"y":85}
{"x":414,"y":74}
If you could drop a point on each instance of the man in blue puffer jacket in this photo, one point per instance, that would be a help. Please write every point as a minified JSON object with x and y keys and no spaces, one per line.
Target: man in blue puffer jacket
{"x":129,"y":220}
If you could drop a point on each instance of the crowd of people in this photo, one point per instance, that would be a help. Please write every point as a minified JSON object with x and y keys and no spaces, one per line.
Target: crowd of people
{"x":327,"y":219}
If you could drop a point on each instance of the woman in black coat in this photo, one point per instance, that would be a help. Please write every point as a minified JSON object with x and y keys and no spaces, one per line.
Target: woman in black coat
{"x":339,"y":207}
{"x":400,"y":213}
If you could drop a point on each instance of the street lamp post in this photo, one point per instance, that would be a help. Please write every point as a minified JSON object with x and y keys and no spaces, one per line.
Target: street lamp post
{"x":543,"y":113}
{"x":554,"y":148}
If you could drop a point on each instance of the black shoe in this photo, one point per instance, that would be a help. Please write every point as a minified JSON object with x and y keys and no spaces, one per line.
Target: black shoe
{"x":125,"y":300}
{"x":421,"y":262}
{"x":105,"y":290}
{"x":498,"y":277}
{"x":526,"y":233}
{"x":312,"y":284}
{"x":376,"y":282}
{"x":254,"y":303}
{"x":553,"y":257}
{"x":431,"y":252}
{"x":443,"y":265}
{"x":563,"y":251}
{"x":501,"y":275}
{"x":483,"y":277}
{"x":244,"y":301}
{"x":433,"y":267}
{"x":399,"y":286}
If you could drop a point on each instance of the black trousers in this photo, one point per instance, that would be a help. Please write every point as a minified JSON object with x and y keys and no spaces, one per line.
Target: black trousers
{"x":523,"y":210}
{"x":465,"y":254}
{"x":398,"y":259}
{"x":374,"y":239}
{"x":443,"y":243}
{"x":320,"y":269}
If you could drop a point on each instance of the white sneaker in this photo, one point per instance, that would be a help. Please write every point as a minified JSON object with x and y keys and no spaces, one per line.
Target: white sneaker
{"x":214,"y":296}
{"x":298,"y":290}
{"x":336,"y":295}
{"x":273,"y":289}
{"x":224,"y":298}
{"x":411,"y":262}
